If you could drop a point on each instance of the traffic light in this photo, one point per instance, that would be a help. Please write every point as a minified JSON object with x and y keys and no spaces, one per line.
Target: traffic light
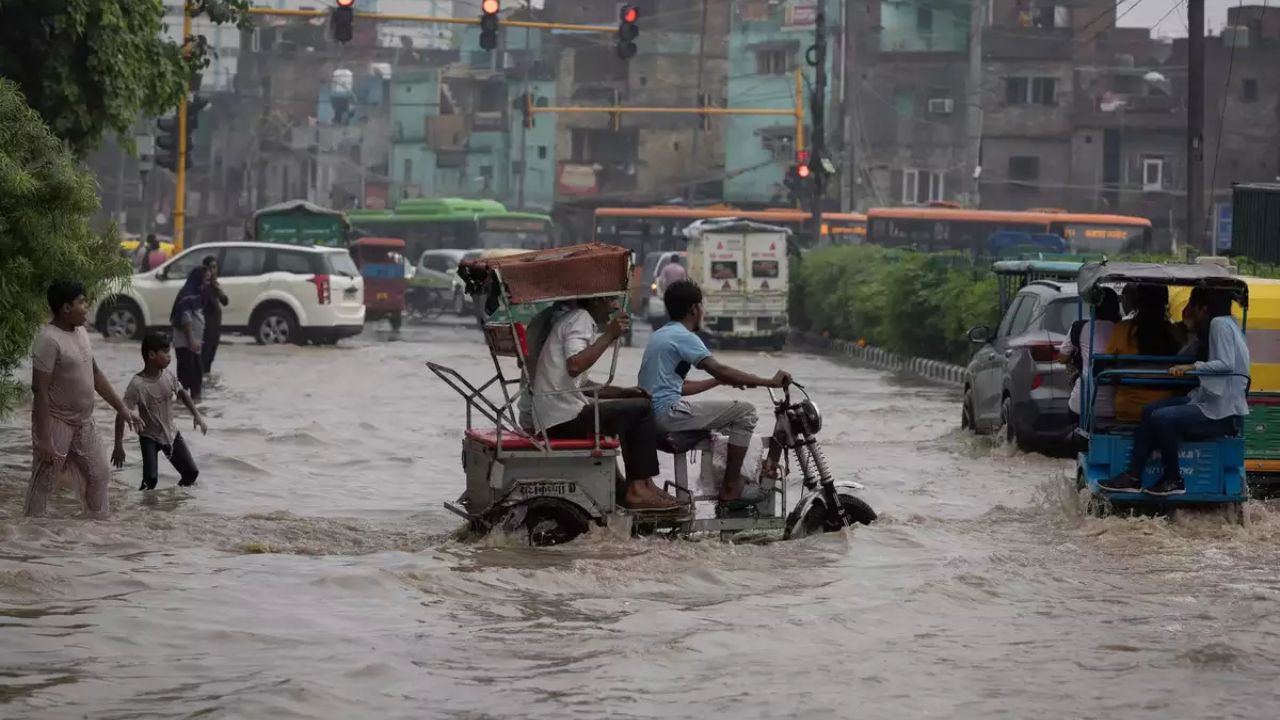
{"x":341,"y":20}
{"x":799,"y":179}
{"x":628,"y":31}
{"x":489,"y":24}
{"x":167,"y":144}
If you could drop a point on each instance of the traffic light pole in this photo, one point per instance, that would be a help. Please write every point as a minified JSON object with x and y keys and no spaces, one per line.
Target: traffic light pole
{"x":439,"y":19}
{"x":180,"y":201}
{"x":818,"y":114}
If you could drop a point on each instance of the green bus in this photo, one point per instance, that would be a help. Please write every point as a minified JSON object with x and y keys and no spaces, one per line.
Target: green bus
{"x":451,"y":223}
{"x":298,"y":222}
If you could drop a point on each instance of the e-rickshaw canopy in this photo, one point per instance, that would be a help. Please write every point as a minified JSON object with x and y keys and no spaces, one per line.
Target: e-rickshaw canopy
{"x":380,"y":242}
{"x":1094,"y":275}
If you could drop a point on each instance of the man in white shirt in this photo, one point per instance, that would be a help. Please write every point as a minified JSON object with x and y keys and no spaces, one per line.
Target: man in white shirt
{"x":562,"y":408}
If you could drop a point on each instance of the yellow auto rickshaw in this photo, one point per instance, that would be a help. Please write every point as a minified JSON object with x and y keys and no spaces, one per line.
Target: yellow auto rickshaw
{"x":1262,"y":426}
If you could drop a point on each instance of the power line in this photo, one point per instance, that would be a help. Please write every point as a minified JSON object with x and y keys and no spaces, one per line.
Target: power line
{"x":1222,"y":117}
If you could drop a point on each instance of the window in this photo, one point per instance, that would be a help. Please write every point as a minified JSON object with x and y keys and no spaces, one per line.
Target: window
{"x":542,"y":152}
{"x":1249,"y":89}
{"x":182,"y":266}
{"x":408,"y":170}
{"x":924,"y":20}
{"x":1011,"y":313}
{"x":298,"y":263}
{"x":243,"y":262}
{"x":773,"y":62}
{"x":1024,"y":167}
{"x":1022,"y":318}
{"x":1060,"y":315}
{"x":921,"y":187}
{"x":779,"y":146}
{"x":1031,"y":91}
{"x":340,"y":263}
{"x":1152,"y":173}
{"x":904,"y":101}
{"x":439,"y":263}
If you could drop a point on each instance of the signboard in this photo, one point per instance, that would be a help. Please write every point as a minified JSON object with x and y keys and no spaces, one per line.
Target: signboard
{"x":575,"y":179}
{"x":800,"y":15}
{"x":301,"y":229}
{"x":504,"y":224}
{"x":1222,"y":226}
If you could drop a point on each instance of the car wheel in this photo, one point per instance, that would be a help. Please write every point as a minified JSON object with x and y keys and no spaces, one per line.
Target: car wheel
{"x":459,"y":303}
{"x":275,"y":326}
{"x":1011,"y":435}
{"x":122,"y":321}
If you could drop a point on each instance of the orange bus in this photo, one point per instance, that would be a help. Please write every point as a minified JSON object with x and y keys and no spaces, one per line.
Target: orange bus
{"x":935,"y":229}
{"x":645,"y":230}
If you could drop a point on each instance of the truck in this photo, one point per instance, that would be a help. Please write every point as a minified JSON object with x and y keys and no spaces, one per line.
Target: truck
{"x":298,"y":222}
{"x":742,"y":267}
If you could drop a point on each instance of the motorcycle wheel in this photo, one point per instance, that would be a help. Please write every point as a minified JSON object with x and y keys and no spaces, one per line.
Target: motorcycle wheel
{"x":817,"y":520}
{"x":547,"y":521}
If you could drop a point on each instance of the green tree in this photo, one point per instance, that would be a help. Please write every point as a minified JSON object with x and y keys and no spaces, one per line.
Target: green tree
{"x":92,"y":66}
{"x":46,"y":203}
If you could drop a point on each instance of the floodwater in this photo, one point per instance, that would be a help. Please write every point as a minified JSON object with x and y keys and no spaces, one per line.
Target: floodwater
{"x":312,"y":573}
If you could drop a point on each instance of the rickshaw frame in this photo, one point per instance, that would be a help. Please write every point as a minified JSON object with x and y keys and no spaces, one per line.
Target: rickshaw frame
{"x":1226,"y":452}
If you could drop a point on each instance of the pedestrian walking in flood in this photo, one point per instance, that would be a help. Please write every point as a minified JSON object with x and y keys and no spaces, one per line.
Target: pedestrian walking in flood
{"x":187,"y":321}
{"x":214,"y":302}
{"x":152,"y":391}
{"x":64,"y":379}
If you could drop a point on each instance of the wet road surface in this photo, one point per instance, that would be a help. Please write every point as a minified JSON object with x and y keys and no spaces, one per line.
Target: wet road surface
{"x":312,"y":573}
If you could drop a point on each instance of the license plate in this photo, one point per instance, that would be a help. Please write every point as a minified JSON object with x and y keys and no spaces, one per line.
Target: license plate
{"x":547,"y":488}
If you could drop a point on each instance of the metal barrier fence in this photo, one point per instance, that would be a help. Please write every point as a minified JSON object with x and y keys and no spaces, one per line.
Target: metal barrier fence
{"x":933,"y":370}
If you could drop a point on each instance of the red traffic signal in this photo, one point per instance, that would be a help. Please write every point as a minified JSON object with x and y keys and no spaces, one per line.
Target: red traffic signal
{"x":489,"y":24}
{"x":346,"y":3}
{"x":490,"y":7}
{"x":803,"y":171}
{"x":628,"y":31}
{"x":629,"y":14}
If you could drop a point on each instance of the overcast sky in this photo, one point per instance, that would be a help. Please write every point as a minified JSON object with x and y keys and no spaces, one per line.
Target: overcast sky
{"x":1145,"y":13}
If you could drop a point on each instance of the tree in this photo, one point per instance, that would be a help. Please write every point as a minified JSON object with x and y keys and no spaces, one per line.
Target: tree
{"x":46,"y":203}
{"x":91,"y":66}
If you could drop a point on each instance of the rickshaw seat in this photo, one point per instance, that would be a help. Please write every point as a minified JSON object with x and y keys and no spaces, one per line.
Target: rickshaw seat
{"x":682,"y":442}
{"x":518,"y":442}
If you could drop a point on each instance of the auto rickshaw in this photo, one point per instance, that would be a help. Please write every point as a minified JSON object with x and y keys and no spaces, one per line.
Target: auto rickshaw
{"x":381,"y":263}
{"x":552,"y":490}
{"x":1262,"y":429}
{"x":1213,"y":468}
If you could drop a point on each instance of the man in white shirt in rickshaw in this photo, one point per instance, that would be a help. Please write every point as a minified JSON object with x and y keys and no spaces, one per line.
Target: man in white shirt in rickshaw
{"x":561,"y":406}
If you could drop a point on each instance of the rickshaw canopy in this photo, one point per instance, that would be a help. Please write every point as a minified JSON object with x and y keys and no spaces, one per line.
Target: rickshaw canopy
{"x":538,"y":276}
{"x":1094,"y":275}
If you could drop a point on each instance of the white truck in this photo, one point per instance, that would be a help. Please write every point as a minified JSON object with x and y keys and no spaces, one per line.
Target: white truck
{"x":741,"y":266}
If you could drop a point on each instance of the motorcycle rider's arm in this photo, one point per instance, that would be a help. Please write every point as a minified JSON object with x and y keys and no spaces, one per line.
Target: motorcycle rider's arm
{"x":738,"y":378}
{"x":694,"y":387}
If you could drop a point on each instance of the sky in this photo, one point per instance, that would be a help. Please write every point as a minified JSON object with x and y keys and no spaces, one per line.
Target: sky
{"x":1145,"y":13}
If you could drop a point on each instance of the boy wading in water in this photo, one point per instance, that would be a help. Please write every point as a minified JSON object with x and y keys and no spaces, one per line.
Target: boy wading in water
{"x":151,"y":392}
{"x":64,"y":378}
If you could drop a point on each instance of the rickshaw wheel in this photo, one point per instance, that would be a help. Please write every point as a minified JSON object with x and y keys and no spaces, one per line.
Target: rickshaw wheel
{"x":818,"y":520}
{"x":549,"y":521}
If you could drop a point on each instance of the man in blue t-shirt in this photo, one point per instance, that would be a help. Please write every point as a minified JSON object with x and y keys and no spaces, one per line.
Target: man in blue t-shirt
{"x":672,"y":351}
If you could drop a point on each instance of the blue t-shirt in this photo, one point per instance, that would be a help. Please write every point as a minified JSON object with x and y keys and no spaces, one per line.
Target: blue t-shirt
{"x":668,"y":356}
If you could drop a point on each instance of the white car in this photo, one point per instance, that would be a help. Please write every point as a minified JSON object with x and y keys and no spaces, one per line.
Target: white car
{"x":276,"y":293}
{"x":440,"y":268}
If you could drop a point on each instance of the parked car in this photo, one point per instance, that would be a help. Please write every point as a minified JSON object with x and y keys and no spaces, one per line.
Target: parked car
{"x":1014,"y":380}
{"x":277,"y":294}
{"x":655,"y":309}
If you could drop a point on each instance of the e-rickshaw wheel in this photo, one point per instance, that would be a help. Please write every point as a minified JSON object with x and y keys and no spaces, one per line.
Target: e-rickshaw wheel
{"x":551,"y":521}
{"x":396,"y":318}
{"x":817,"y":519}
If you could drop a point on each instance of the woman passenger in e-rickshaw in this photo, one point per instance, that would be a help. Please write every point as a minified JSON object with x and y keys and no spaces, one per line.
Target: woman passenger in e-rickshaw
{"x":1146,"y":332}
{"x":1077,"y":350}
{"x":1210,"y":410}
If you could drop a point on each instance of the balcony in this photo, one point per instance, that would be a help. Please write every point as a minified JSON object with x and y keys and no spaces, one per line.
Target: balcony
{"x":1115,"y":110}
{"x":1031,"y":43}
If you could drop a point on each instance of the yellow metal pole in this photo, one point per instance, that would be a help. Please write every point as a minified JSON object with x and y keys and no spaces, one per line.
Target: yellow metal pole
{"x":180,"y":201}
{"x":799,"y":111}
{"x":435,"y":19}
{"x":664,"y":110}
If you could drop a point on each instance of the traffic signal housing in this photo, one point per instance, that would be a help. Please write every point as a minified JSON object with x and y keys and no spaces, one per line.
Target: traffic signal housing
{"x":799,"y":180}
{"x":628,"y":31}
{"x":343,"y":15}
{"x":489,"y":24}
{"x":167,"y":144}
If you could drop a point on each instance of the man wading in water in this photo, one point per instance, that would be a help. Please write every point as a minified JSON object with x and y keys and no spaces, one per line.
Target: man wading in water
{"x":64,"y":378}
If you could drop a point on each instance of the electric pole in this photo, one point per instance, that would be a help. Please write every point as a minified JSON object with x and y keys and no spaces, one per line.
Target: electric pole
{"x":973,"y":102}
{"x":817,"y":58}
{"x":1195,"y":123}
{"x":524,"y":126}
{"x":697,"y":131}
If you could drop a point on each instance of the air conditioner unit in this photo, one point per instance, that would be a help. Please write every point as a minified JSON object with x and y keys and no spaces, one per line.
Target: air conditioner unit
{"x":942,"y":106}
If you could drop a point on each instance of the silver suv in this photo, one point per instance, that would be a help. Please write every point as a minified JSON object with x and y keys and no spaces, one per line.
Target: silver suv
{"x":1014,"y":380}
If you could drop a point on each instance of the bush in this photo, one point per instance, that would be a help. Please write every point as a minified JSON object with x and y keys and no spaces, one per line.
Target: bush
{"x":46,"y":203}
{"x":915,"y":304}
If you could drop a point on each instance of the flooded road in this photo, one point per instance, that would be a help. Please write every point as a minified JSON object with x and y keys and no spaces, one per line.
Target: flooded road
{"x":312,"y":573}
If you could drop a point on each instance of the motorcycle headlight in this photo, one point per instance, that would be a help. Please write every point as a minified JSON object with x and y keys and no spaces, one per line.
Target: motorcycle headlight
{"x":812,"y":416}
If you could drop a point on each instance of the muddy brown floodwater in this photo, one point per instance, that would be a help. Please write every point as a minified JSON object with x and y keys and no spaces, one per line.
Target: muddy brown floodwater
{"x":312,"y":573}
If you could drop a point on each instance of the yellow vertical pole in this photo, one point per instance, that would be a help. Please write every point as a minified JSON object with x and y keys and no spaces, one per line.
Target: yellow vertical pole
{"x":180,"y":202}
{"x":799,"y":110}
